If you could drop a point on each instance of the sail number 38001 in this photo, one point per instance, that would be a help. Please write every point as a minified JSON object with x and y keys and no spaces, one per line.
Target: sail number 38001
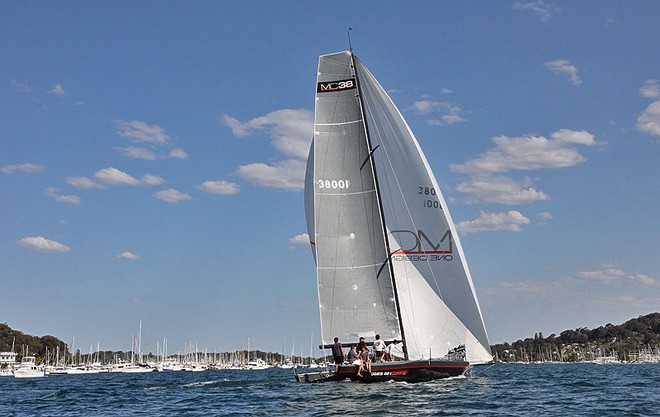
{"x":333,"y":184}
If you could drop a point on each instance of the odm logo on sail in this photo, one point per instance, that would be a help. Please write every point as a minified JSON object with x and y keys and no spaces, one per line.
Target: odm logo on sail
{"x":418,"y":246}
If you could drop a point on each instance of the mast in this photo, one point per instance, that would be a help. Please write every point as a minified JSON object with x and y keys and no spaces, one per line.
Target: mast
{"x":380,"y":204}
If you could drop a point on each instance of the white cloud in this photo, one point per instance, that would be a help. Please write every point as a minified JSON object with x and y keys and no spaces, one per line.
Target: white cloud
{"x":494,"y":222}
{"x":450,"y":113}
{"x":286,"y":175}
{"x":447,"y":119}
{"x":155,"y":138}
{"x":142,"y":132}
{"x":41,"y":244}
{"x":563,"y":66}
{"x":290,"y":129}
{"x":519,"y":291}
{"x":643,"y":280}
{"x":55,"y":193}
{"x":530,"y":152}
{"x":539,"y":7}
{"x":27,"y":168}
{"x":58,"y":90}
{"x":21,"y":87}
{"x":83,"y":182}
{"x":544,"y":216}
{"x":113,"y":176}
{"x":108,"y":177}
{"x":290,"y":132}
{"x":606,"y":276}
{"x":148,"y":179}
{"x":138,"y":153}
{"x":128,"y":255}
{"x":500,"y":189}
{"x":237,"y":128}
{"x":522,"y":154}
{"x":424,"y":106}
{"x":172,"y":196}
{"x":651,"y":89}
{"x":595,"y":288}
{"x":649,"y":120}
{"x":219,"y":187}
{"x":178,"y":153}
{"x":575,"y":137}
{"x":299,"y":241}
{"x":594,"y":302}
{"x":612,"y":276}
{"x":68,"y":198}
{"x":152,"y":155}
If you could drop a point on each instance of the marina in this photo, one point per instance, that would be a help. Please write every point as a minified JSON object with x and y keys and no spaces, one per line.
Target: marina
{"x":387,"y":371}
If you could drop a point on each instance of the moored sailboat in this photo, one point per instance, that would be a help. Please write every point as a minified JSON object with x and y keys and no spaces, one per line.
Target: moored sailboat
{"x":389,"y":260}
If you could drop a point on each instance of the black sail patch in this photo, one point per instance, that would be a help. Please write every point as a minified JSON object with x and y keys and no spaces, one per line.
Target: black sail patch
{"x":329,"y":86}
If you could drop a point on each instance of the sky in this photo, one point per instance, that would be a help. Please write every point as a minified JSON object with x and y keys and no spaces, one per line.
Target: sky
{"x":152,"y":158}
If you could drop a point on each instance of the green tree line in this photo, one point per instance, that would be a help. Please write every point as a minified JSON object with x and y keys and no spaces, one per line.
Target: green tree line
{"x":570,"y":345}
{"x":33,"y":345}
{"x":625,"y":339}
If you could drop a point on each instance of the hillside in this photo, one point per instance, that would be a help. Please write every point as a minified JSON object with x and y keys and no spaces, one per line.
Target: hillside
{"x":629,"y":338}
{"x":35,"y":345}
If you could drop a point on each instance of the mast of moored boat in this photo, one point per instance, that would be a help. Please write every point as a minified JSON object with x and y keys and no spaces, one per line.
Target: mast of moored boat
{"x":380,"y":204}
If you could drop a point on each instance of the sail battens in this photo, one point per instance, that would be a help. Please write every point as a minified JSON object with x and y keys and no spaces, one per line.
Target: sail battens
{"x":352,"y":267}
{"x":340,"y":193}
{"x":426,"y":252}
{"x":340,"y":123}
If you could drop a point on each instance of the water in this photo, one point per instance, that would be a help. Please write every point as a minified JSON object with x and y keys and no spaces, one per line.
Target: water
{"x":500,"y":390}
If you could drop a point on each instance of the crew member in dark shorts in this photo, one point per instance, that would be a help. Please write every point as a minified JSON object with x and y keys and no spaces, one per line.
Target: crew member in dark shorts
{"x":338,"y":352}
{"x":379,"y":349}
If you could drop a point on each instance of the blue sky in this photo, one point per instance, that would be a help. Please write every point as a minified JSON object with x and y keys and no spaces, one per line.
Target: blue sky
{"x":152,"y":158}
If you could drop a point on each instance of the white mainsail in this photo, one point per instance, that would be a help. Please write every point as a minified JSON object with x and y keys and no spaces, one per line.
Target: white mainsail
{"x":388,"y":257}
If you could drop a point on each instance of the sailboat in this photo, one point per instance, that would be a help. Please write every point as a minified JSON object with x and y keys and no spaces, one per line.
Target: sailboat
{"x":388,"y":258}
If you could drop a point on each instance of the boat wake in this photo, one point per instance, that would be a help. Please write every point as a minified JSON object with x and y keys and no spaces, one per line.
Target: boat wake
{"x":203,"y":383}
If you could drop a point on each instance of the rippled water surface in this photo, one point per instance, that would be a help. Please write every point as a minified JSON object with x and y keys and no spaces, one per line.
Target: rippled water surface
{"x":500,"y":390}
